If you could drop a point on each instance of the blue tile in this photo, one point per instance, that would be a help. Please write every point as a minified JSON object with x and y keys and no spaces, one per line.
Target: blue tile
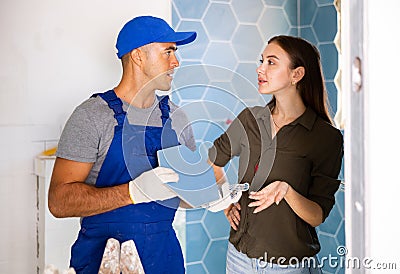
{"x":195,"y":110}
{"x":213,"y":132}
{"x":247,"y":11}
{"x":220,"y":54}
{"x":248,"y":71}
{"x":329,"y":60}
{"x":290,"y":9}
{"x":219,"y":73}
{"x":277,"y":3}
{"x":325,"y":24}
{"x":217,"y":13}
{"x":331,"y":223}
{"x":244,"y":89}
{"x":308,"y":34}
{"x":231,"y":170}
{"x":194,"y":215}
{"x":187,"y":9}
{"x":340,"y":235}
{"x":293,"y":31}
{"x":189,"y":76}
{"x":216,"y":224}
{"x":195,"y":269}
{"x":220,"y":103}
{"x":224,"y":86}
{"x":247,"y":43}
{"x":328,"y":250}
{"x":175,"y":98}
{"x":199,"y":129}
{"x":332,"y":97}
{"x":273,"y":22}
{"x":341,"y":270}
{"x":184,"y":63}
{"x":196,"y":49}
{"x":175,"y":16}
{"x":215,"y":260}
{"x":325,"y":2}
{"x":191,"y":92}
{"x":339,"y":200}
{"x":307,"y":10}
{"x":196,"y":242}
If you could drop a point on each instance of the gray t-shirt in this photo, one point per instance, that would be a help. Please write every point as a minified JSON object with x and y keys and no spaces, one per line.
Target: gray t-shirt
{"x":89,"y":131}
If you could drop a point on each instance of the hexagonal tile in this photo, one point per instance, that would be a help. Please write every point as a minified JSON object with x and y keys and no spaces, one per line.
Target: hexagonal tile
{"x":308,"y":8}
{"x":231,"y":170}
{"x":329,"y":60}
{"x":219,"y":103}
{"x":328,"y":250}
{"x":244,"y":89}
{"x":333,"y":221}
{"x":174,"y":15}
{"x":293,"y":31}
{"x":196,"y":49}
{"x":247,"y":11}
{"x":213,"y":132}
{"x":277,"y":3}
{"x":218,"y":73}
{"x":220,"y":54}
{"x":190,"y":75}
{"x":195,"y":110}
{"x":247,"y":43}
{"x":216,"y":256}
{"x":290,"y":9}
{"x":216,"y":224}
{"x":195,"y":269}
{"x":186,"y":9}
{"x":217,"y":13}
{"x":308,"y":34}
{"x":196,"y":241}
{"x":194,"y":92}
{"x":194,"y":215}
{"x":324,"y":2}
{"x":340,"y":234}
{"x":332,"y":96}
{"x":199,"y":127}
{"x":273,"y":17}
{"x":222,"y":85}
{"x":339,"y":200}
{"x":248,"y":71}
{"x":325,"y":24}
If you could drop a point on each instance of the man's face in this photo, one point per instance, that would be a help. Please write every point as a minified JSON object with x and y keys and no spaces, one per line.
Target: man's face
{"x":159,"y":64}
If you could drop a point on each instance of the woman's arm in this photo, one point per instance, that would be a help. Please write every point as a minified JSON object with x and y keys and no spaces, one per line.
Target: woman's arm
{"x":307,"y":210}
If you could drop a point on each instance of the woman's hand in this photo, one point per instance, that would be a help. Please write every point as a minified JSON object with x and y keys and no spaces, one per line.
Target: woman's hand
{"x":232,"y":213}
{"x":272,"y":193}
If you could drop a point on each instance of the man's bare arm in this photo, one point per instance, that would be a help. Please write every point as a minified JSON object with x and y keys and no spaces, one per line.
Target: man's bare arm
{"x":69,"y":196}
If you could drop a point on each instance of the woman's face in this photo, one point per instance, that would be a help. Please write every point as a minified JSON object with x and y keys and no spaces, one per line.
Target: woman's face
{"x":274,"y":72}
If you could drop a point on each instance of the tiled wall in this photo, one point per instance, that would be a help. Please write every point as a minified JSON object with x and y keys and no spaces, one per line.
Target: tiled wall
{"x":218,"y":73}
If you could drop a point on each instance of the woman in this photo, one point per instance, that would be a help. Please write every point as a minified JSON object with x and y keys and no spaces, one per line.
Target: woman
{"x":291,"y":153}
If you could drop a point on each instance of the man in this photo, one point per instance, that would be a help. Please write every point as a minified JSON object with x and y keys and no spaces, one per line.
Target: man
{"x":106,"y":168}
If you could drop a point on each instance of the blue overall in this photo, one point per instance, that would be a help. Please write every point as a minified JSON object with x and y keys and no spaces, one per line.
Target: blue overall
{"x":148,"y":224}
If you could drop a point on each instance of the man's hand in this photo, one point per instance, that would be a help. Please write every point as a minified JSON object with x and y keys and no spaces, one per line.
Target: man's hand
{"x":149,"y":186}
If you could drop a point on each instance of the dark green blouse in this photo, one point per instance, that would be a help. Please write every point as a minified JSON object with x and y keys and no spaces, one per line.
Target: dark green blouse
{"x":306,"y":153}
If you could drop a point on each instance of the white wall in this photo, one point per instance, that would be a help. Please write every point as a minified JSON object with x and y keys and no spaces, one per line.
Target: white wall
{"x":383,"y":134}
{"x":53,"y":55}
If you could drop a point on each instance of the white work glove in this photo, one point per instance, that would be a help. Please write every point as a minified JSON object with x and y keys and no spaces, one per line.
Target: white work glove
{"x":229,"y":194}
{"x":150,"y":185}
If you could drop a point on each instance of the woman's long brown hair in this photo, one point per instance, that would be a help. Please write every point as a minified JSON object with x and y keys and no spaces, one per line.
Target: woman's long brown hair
{"x":311,"y":86}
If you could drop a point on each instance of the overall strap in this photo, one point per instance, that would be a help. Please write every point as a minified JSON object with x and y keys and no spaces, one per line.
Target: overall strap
{"x":115,"y":104}
{"x":165,"y":109}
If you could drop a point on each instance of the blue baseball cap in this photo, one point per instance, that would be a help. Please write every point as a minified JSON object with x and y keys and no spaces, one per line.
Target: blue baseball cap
{"x":144,"y":30}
